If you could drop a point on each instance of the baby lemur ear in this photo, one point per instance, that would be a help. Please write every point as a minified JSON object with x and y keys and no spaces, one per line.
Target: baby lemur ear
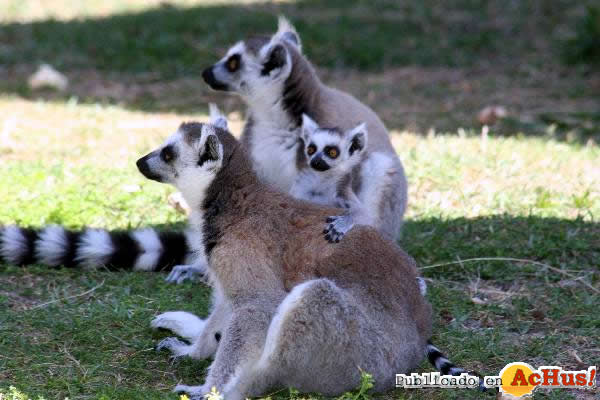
{"x":358,"y":138}
{"x":287,"y":32}
{"x":308,"y":127}
{"x":275,"y":60}
{"x":216,"y":117}
{"x":211,"y":150}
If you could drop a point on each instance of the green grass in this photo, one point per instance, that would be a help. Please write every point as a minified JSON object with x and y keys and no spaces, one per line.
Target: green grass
{"x":529,"y":190}
{"x":470,"y":197}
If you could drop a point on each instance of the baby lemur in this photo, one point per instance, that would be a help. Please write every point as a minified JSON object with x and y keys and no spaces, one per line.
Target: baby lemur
{"x":297,"y":312}
{"x":339,"y":172}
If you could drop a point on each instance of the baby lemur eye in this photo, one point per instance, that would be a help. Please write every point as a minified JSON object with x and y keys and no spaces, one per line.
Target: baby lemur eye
{"x":310,"y":150}
{"x":332,"y":152}
{"x":167,"y":154}
{"x":233,"y":63}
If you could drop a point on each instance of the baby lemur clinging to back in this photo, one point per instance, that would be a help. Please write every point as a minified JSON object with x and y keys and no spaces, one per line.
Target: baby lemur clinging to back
{"x":298,"y":312}
{"x":339,"y":172}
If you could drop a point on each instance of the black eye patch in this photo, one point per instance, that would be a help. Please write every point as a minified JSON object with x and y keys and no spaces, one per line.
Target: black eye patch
{"x":233,"y":63}
{"x":167,"y":154}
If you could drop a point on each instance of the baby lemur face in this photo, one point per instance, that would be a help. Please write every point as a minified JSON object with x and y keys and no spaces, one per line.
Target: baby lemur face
{"x":256,"y":65}
{"x":189,"y":160}
{"x":329,"y":148}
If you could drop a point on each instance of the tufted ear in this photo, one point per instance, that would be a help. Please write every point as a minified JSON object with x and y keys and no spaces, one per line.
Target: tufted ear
{"x":211,"y":151}
{"x":275,"y":60}
{"x":358,"y":138}
{"x":216,"y":117}
{"x":308,"y":127}
{"x":287,"y":32}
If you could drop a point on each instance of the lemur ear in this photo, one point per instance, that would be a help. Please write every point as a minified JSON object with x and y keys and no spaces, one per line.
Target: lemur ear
{"x":287,"y":32}
{"x":308,"y":126}
{"x":216,"y":117}
{"x":275,"y":59}
{"x":211,"y":151}
{"x":358,"y":138}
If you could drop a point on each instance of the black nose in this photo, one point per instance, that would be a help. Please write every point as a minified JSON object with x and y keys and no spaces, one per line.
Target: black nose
{"x":144,"y":168}
{"x":319,"y":164}
{"x":209,"y":77}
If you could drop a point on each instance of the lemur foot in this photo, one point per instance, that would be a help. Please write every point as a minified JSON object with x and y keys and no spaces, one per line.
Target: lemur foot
{"x":422,"y":286}
{"x":177,"y":201}
{"x":181,"y":273}
{"x":175,"y":346}
{"x":337,"y":227}
{"x":195,"y":392}
{"x":181,"y":323}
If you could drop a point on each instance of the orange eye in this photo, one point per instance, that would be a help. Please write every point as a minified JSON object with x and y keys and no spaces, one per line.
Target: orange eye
{"x":311,"y":149}
{"x":332,"y":153}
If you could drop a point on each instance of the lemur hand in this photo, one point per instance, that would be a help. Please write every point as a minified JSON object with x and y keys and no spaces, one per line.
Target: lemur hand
{"x":337,"y":227}
{"x":181,"y":273}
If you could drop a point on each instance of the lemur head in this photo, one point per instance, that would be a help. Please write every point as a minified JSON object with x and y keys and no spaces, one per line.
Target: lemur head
{"x":190,"y":158}
{"x":256,"y":65}
{"x":329,"y":148}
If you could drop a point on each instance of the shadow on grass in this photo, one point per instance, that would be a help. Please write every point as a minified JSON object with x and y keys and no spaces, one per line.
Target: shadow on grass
{"x":537,"y":321}
{"x":567,"y":244}
{"x":151,"y":60}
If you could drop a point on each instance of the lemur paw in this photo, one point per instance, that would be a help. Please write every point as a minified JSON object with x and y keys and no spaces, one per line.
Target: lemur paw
{"x":175,"y":346}
{"x":422,"y":286}
{"x":337,"y":227}
{"x":181,"y":273}
{"x":182,"y":323}
{"x":195,"y":392}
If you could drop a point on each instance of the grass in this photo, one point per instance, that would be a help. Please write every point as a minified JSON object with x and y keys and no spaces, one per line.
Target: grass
{"x":529,"y":189}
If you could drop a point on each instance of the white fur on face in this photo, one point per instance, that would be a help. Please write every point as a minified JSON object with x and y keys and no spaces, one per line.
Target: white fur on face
{"x":322,"y":138}
{"x":192,"y":179}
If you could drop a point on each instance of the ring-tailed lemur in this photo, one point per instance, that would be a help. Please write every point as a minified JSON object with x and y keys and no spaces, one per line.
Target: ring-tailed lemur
{"x":279,"y":85}
{"x":299,"y":312}
{"x":339,"y":172}
{"x":143,"y":249}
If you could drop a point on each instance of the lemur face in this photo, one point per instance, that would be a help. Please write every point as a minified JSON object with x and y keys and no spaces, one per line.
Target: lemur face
{"x":329,"y":148}
{"x":256,"y":65}
{"x":189,"y":159}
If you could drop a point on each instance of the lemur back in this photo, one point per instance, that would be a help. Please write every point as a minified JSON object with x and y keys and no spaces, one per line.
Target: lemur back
{"x":279,"y":85}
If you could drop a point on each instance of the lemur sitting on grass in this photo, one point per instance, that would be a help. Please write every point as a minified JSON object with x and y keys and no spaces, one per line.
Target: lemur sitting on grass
{"x":289,"y":309}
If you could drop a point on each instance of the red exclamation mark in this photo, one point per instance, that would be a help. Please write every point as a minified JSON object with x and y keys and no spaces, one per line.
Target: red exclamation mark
{"x":592,"y":377}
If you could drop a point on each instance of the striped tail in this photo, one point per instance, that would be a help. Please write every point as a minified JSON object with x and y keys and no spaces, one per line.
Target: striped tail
{"x":144,"y":249}
{"x":445,"y":366}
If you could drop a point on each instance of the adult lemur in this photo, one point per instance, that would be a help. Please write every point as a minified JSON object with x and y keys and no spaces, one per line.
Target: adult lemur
{"x":279,"y":85}
{"x":298,"y":312}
